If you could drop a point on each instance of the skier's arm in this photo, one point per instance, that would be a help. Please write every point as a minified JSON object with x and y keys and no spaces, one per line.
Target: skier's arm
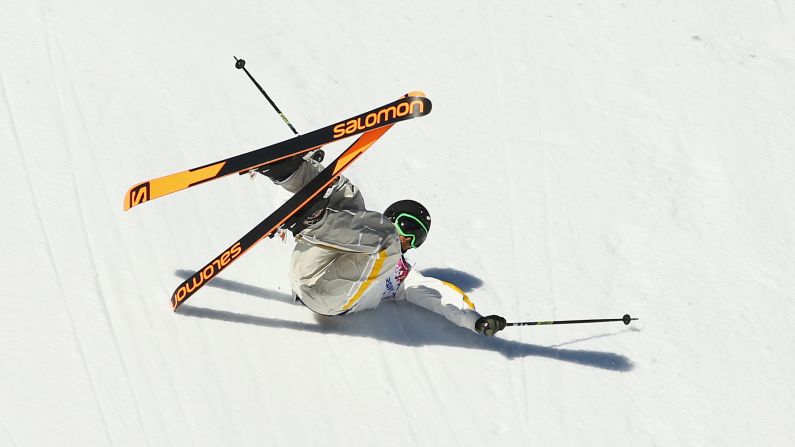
{"x":440,"y":297}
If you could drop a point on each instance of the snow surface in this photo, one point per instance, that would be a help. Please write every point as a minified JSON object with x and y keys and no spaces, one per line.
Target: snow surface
{"x":583,"y":160}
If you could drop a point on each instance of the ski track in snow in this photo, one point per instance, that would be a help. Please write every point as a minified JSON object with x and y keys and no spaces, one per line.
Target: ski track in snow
{"x":511,"y":173}
{"x":84,"y":224}
{"x":8,"y":435}
{"x":51,"y":257}
{"x":54,"y":266}
{"x":49,"y":37}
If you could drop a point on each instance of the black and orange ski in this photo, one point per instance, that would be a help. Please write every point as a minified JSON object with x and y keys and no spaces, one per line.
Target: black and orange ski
{"x":410,"y":106}
{"x":273,"y":222}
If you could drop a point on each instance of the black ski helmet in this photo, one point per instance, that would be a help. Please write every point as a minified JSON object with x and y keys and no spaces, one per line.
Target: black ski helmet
{"x":411,"y":220}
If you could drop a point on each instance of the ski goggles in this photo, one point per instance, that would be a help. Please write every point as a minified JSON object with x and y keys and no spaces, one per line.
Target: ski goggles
{"x":411,"y":227}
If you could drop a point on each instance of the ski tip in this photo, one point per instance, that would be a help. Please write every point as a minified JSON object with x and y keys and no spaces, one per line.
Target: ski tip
{"x":137,"y":195}
{"x":415,"y":93}
{"x":174,"y":303}
{"x":127,"y":201}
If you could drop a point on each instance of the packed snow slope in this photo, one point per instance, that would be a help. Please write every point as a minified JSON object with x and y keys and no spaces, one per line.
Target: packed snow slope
{"x":583,"y":160}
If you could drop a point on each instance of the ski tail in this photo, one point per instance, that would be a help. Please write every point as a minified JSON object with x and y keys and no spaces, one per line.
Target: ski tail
{"x":162,"y":186}
{"x":411,"y":105}
{"x":273,"y":222}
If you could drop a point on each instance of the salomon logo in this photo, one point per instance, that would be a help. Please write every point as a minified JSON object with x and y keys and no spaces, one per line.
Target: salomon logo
{"x":209,"y":272}
{"x":139,"y":194}
{"x":376,"y":118}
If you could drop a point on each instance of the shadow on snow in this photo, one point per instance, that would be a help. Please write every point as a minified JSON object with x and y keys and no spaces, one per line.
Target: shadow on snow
{"x":463,"y":280}
{"x":402,"y":324}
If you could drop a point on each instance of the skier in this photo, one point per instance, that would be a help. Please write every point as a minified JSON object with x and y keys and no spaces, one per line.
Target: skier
{"x":348,"y":259}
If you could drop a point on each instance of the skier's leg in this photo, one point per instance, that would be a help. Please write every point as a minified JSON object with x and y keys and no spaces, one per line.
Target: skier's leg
{"x":341,"y":195}
{"x":295,"y":172}
{"x":282,"y":170}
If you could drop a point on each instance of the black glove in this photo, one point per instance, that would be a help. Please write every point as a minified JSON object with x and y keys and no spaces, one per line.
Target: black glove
{"x":490,"y":325}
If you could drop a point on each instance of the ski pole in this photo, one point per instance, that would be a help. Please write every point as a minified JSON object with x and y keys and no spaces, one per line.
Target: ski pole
{"x":240,"y":63}
{"x":317,"y":154}
{"x":626,"y":319}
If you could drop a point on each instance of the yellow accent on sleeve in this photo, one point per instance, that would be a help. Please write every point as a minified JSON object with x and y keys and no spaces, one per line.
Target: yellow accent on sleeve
{"x":463,"y":295}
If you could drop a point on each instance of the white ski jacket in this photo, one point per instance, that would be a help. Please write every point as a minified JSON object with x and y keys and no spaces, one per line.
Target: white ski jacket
{"x":350,"y":261}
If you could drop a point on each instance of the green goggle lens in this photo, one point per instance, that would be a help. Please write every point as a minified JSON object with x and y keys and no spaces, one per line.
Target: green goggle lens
{"x":409,"y":226}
